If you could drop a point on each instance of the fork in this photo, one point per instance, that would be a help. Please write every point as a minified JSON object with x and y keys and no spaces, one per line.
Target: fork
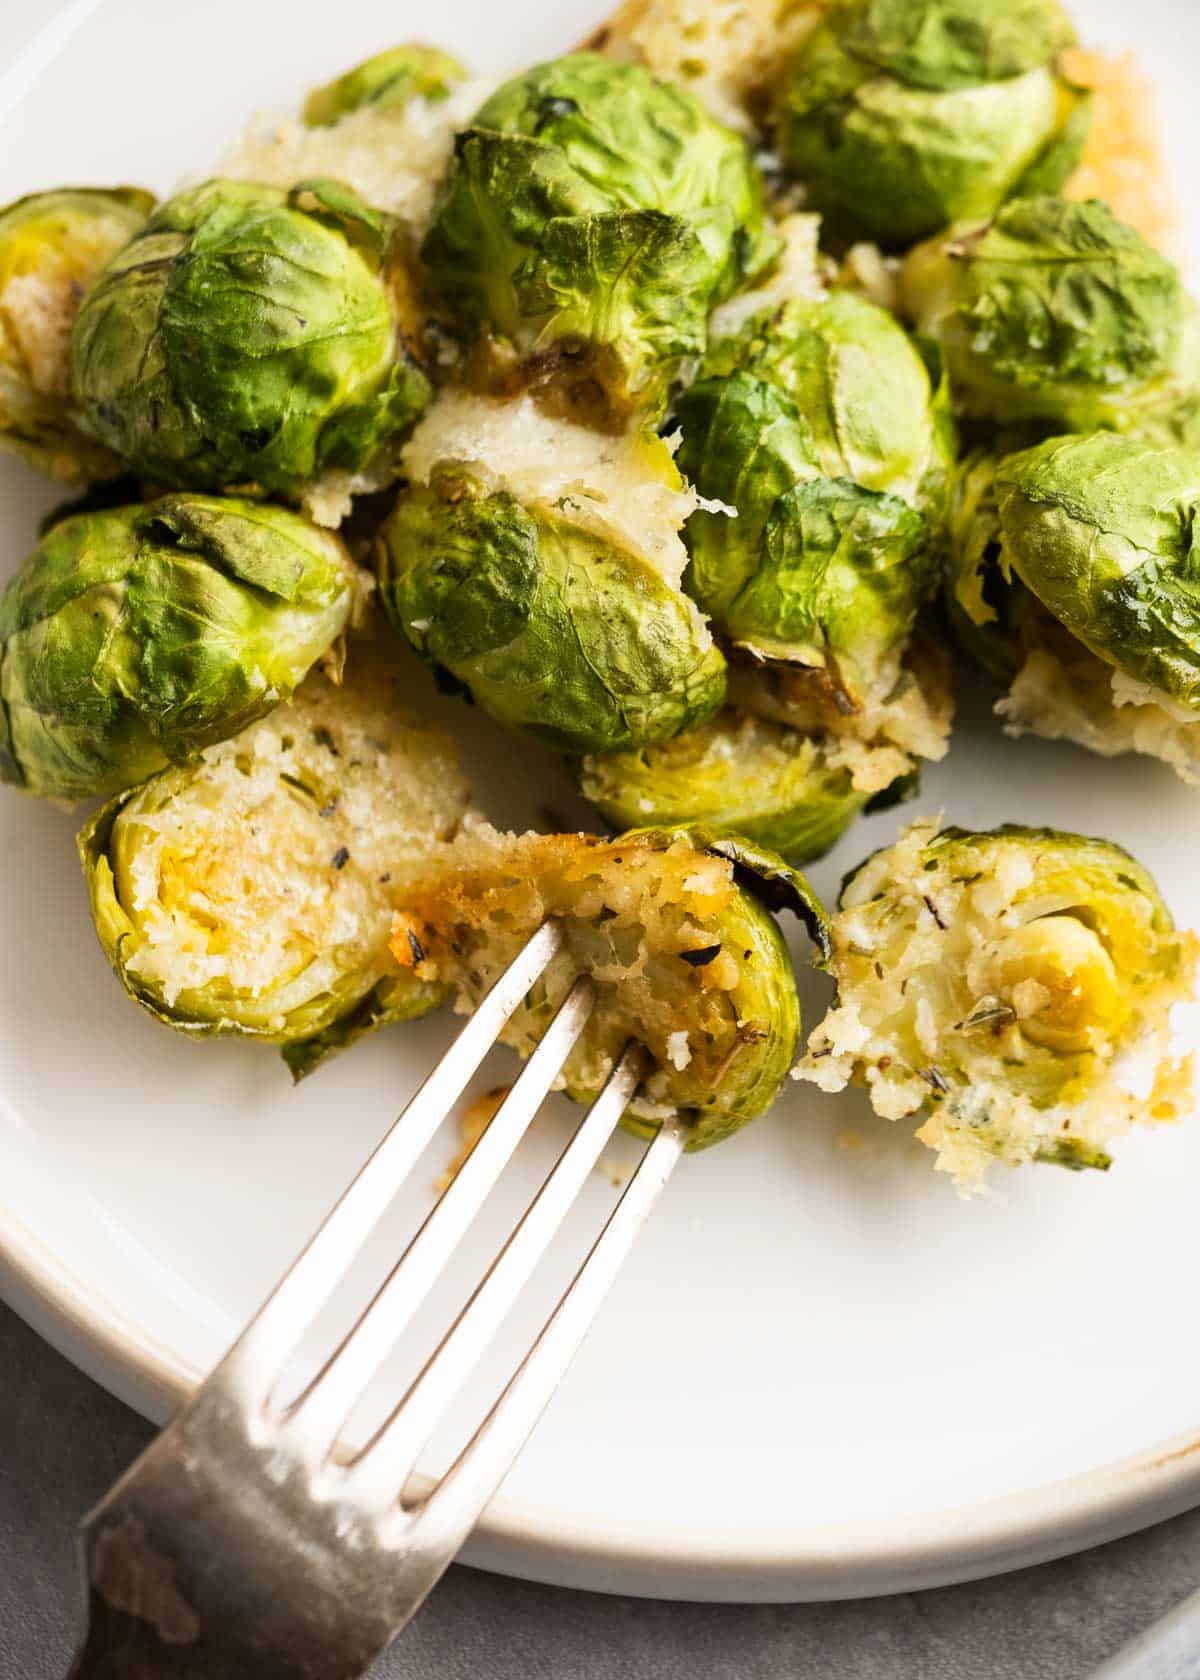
{"x":242,"y":1545}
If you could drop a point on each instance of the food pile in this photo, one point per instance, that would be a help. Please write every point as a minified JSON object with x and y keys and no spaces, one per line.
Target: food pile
{"x":669,"y":399}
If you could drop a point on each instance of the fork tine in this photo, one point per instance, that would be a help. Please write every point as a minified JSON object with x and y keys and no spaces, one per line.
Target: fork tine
{"x":449,"y":1513}
{"x":253,"y":1363}
{"x":314,"y":1419}
{"x":380,"y":1471}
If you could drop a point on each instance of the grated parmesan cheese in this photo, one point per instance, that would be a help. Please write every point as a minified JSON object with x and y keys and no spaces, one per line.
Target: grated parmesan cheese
{"x":625,"y":488}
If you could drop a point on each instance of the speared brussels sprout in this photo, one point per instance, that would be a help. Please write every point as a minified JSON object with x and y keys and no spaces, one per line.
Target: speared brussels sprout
{"x":1001,"y":987}
{"x":134,"y":638}
{"x":52,"y":246}
{"x":542,"y":576}
{"x":590,"y":219}
{"x":1071,"y":576}
{"x":250,"y":893}
{"x":1055,"y":311}
{"x":251,"y":337}
{"x":819,"y":422}
{"x":388,"y":81}
{"x":900,"y":116}
{"x":674,"y":931}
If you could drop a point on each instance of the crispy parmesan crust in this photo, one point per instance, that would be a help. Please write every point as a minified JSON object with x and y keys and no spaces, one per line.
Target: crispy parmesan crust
{"x":1077,"y":697}
{"x":727,"y":52}
{"x":1123,"y":161}
{"x":906,"y":717}
{"x":683,"y":963}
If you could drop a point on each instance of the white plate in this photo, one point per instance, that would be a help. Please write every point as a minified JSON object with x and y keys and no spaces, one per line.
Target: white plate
{"x":822,"y":1374}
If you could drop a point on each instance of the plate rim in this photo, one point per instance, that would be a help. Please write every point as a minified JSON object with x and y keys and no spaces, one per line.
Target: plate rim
{"x":860,"y":1558}
{"x":863,"y":1558}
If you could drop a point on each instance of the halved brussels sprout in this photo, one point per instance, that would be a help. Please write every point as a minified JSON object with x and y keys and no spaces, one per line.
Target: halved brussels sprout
{"x":736,"y":774}
{"x":900,"y":116}
{"x":250,"y":893}
{"x":52,"y":246}
{"x":793,"y":780}
{"x":1071,"y":577}
{"x":543,"y":572}
{"x":1055,"y":311}
{"x":134,"y":638}
{"x":590,"y":219}
{"x":1011,"y":989}
{"x":673,"y":931}
{"x":389,"y":80}
{"x":819,"y":423}
{"x":250,"y":337}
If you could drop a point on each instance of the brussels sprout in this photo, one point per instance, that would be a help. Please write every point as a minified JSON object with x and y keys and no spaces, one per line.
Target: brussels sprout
{"x":590,"y":219}
{"x":900,"y":116}
{"x":1002,"y":987}
{"x":1055,"y":311}
{"x":389,"y":81}
{"x":250,"y":893}
{"x":249,"y":337}
{"x":1102,"y":530}
{"x":538,"y":562}
{"x":134,"y":638}
{"x":795,"y":792}
{"x":820,"y":425}
{"x":1069,"y":579}
{"x":736,"y":774}
{"x":52,"y":246}
{"x":672,"y":928}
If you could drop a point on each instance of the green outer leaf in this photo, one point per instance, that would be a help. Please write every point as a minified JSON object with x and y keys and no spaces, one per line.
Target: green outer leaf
{"x":802,"y":421}
{"x":885,"y":160}
{"x":765,"y":998}
{"x":735,"y":775}
{"x":133,"y":638}
{"x":554,"y":631}
{"x":841,"y":576}
{"x":389,"y":81}
{"x":589,"y":204}
{"x":62,"y":238}
{"x":242,"y":340}
{"x":1058,"y":311}
{"x":1104,"y":531}
{"x":314,"y":1028}
{"x":953,"y":43}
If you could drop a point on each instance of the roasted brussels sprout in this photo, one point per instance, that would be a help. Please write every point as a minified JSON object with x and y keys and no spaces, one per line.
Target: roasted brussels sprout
{"x":543,"y":575}
{"x":1011,"y":989}
{"x":1055,"y":311}
{"x":736,"y":774}
{"x":132,"y":639}
{"x":671,"y":927}
{"x":250,"y":337}
{"x":389,"y":81}
{"x":1071,"y":578}
{"x":819,"y":423}
{"x":792,"y":780}
{"x":52,"y":246}
{"x":900,"y":116}
{"x":589,"y":221}
{"x":250,"y":893}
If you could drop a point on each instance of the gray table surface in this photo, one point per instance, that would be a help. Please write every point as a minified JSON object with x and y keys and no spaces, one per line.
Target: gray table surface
{"x":63,"y":1440}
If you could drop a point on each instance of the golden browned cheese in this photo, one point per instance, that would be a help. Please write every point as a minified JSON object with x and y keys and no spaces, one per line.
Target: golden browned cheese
{"x":1123,"y":161}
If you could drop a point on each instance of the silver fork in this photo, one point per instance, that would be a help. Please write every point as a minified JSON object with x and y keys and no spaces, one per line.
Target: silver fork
{"x":240,"y":1546}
